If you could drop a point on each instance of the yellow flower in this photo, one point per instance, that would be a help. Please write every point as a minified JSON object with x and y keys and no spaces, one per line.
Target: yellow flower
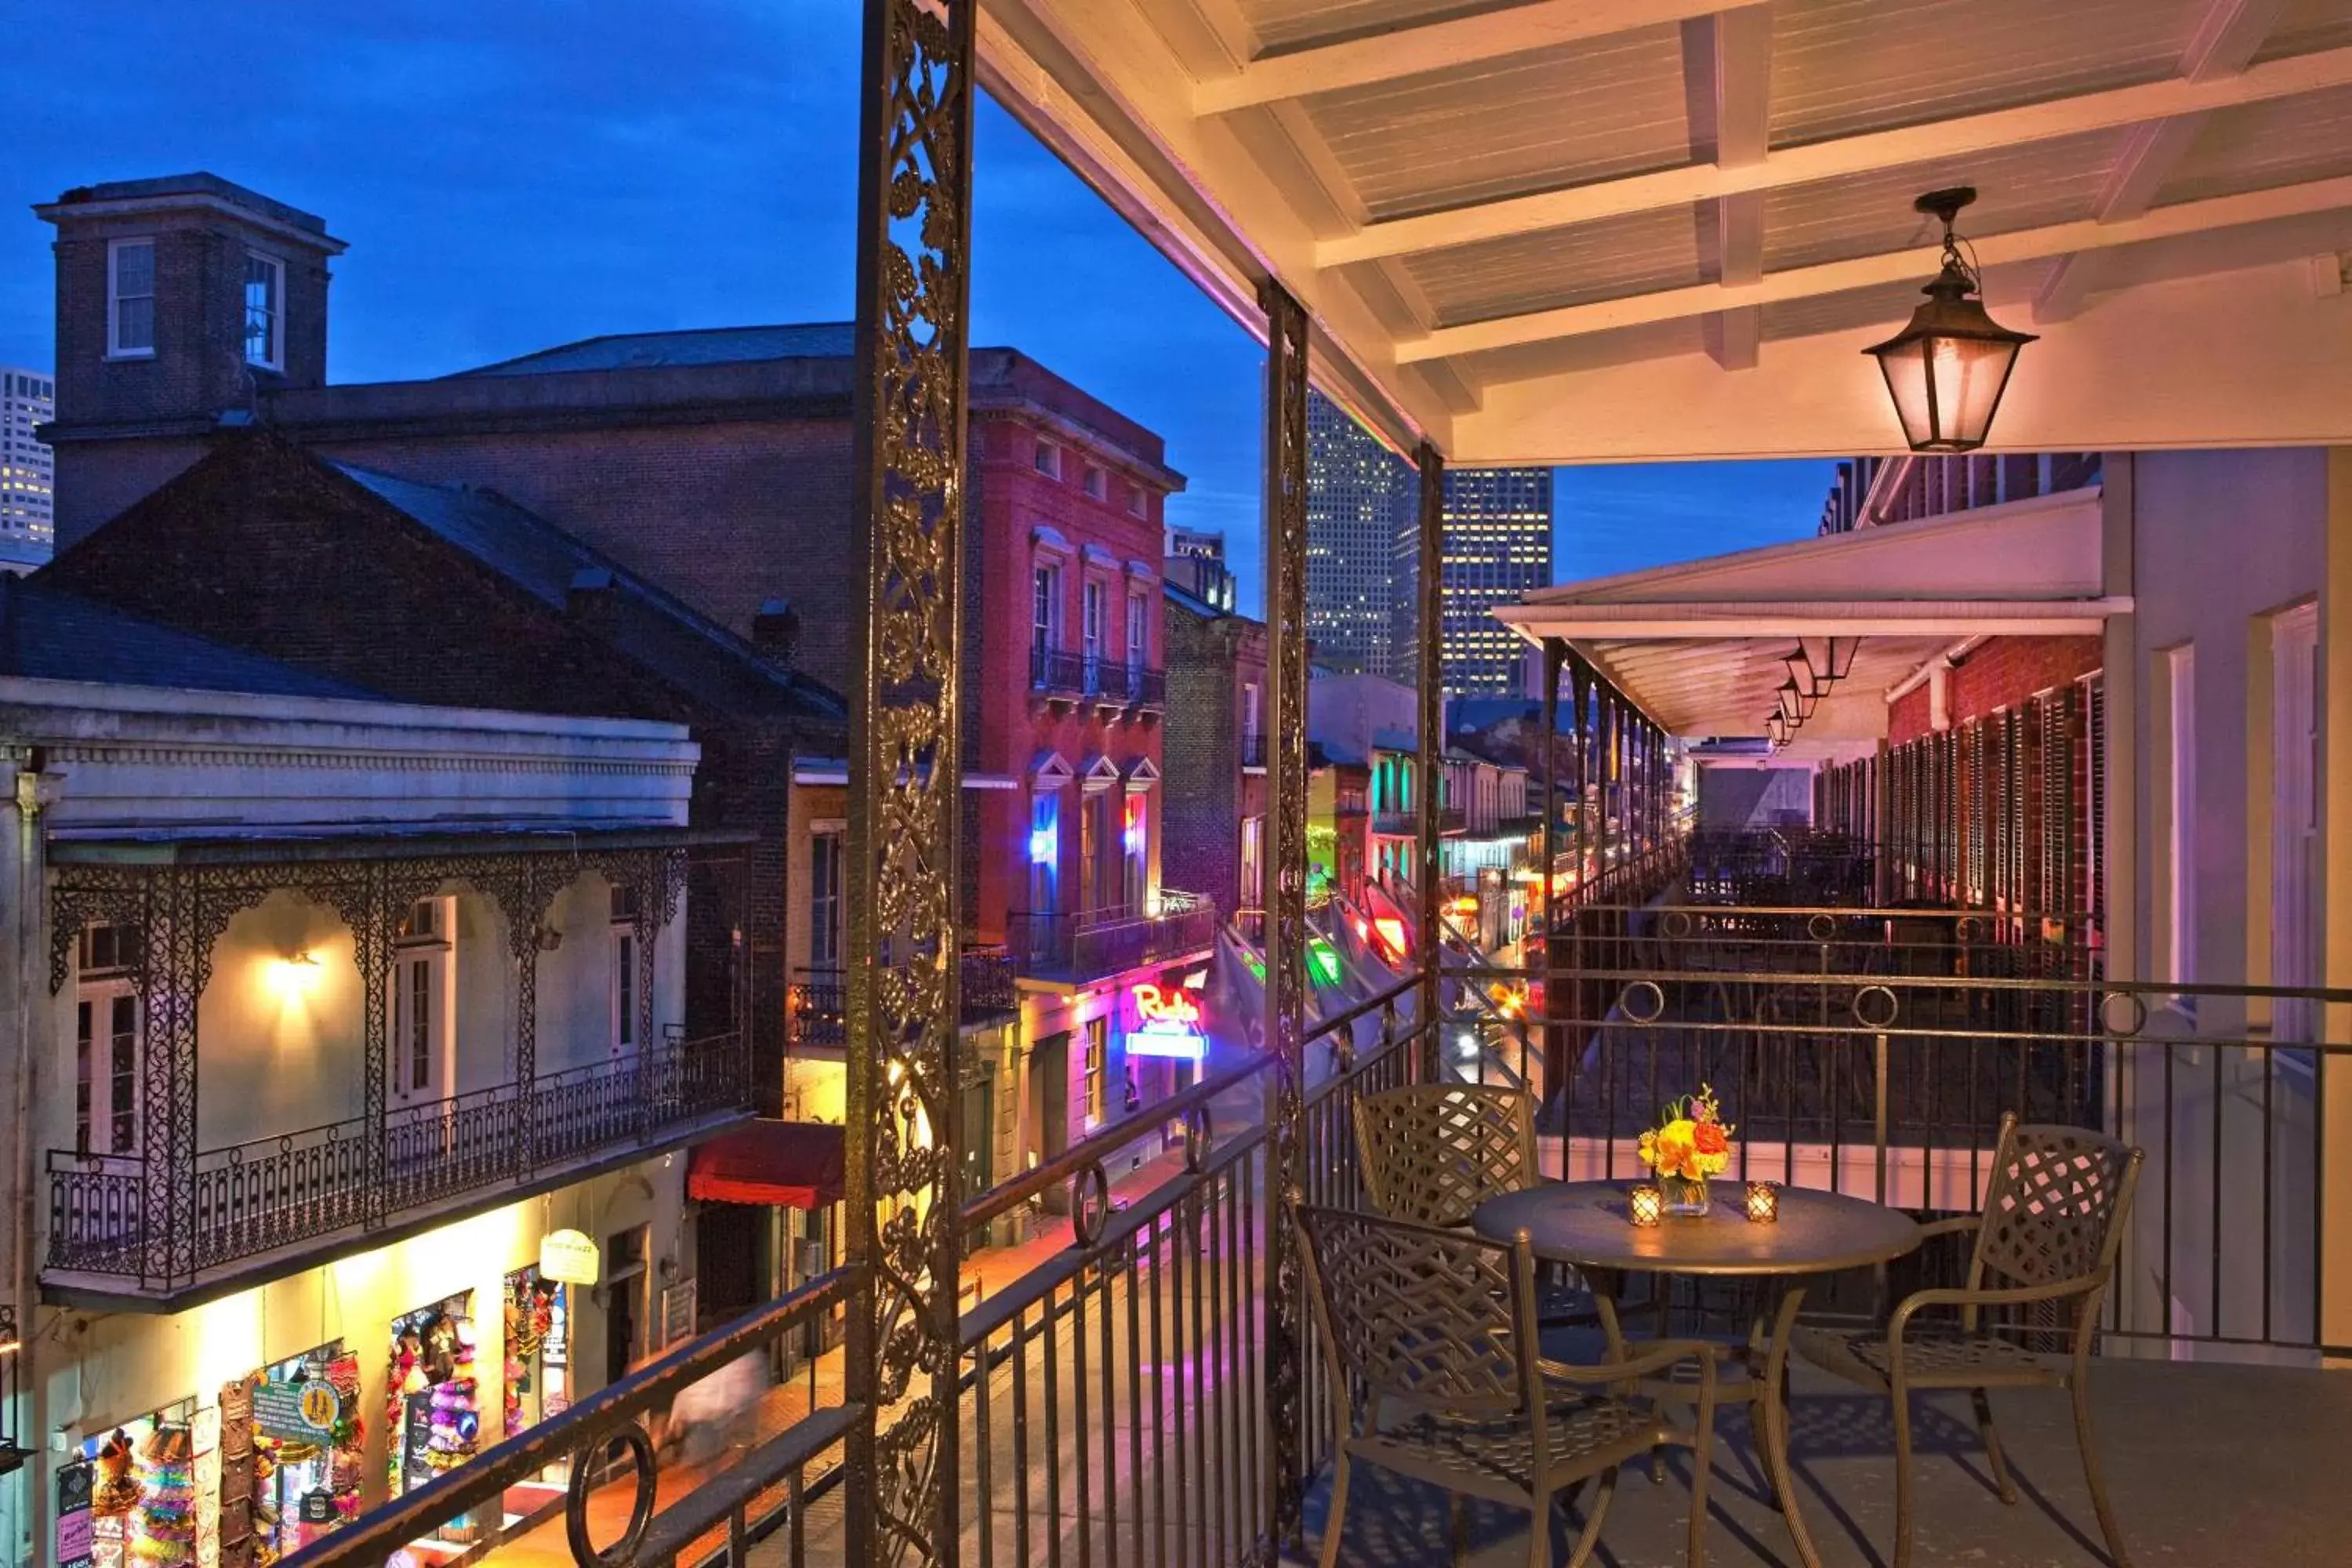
{"x":1647,"y":1148}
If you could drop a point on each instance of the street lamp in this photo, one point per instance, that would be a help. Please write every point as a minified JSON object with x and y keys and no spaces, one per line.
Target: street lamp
{"x":1947,"y":369}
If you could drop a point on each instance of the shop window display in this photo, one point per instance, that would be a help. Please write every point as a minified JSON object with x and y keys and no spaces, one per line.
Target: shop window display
{"x":307,"y":1438}
{"x":141,"y":1496}
{"x":432,"y":1405}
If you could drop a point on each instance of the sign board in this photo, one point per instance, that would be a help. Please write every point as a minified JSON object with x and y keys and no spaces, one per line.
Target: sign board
{"x":1165,"y":1021}
{"x":318,"y":1507}
{"x":678,"y":1312}
{"x":567,"y":1257}
{"x":296,"y":1412}
{"x":77,"y":1533}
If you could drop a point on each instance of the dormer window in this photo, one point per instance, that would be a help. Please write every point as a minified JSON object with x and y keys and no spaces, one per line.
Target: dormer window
{"x":130,"y":299}
{"x":1049,"y":460}
{"x":1097,"y":483}
{"x":264,"y":310}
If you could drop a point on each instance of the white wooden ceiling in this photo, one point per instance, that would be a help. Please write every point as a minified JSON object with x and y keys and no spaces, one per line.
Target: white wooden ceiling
{"x":1576,"y":230}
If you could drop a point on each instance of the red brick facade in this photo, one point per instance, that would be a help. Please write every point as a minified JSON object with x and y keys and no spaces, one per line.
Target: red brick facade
{"x":2002,"y":672}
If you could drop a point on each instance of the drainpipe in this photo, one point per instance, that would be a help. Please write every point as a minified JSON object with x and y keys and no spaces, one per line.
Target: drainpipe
{"x":1936,"y":667}
{"x":34,"y":788}
{"x":1885,"y":486}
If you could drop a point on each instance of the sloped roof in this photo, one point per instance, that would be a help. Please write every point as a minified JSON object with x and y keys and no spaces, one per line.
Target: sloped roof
{"x":713,"y":346}
{"x":47,"y":633}
{"x":698,"y":654}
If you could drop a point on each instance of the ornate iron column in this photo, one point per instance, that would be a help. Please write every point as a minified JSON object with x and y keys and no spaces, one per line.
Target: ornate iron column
{"x":1286,"y":946}
{"x":1432,"y":672}
{"x":904,"y":1211}
{"x":1579,"y":686}
{"x":1555,"y":1035}
{"x":175,"y":962}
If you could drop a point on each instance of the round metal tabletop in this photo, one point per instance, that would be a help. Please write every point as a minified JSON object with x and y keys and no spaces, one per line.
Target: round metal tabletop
{"x":1585,"y":1223}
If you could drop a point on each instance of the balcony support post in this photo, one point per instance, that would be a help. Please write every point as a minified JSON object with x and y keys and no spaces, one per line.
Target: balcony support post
{"x":368,"y":907}
{"x":1580,"y":691}
{"x":904,"y":1230}
{"x":171,"y":981}
{"x":1429,"y":667}
{"x":1548,"y":843}
{"x":1285,"y":928}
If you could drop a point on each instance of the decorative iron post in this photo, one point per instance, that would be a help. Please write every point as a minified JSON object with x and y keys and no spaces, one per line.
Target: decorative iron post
{"x":1285,"y":935}
{"x":1579,"y":686}
{"x":1431,"y":670}
{"x":904,"y":1208}
{"x":176,"y":959}
{"x":1555,"y":1035}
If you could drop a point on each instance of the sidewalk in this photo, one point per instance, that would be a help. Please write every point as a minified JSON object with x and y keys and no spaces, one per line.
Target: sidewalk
{"x":543,"y":1545}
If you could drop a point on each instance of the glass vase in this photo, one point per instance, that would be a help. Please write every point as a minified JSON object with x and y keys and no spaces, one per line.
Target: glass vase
{"x":1685,"y":1196}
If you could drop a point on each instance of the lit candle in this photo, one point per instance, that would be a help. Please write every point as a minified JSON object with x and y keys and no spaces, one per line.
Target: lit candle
{"x":1647,"y":1203}
{"x":1763,"y":1202}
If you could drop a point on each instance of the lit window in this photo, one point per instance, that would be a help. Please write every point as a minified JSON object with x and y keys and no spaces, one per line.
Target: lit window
{"x":824,"y":900}
{"x":130,"y":299}
{"x":265,"y":304}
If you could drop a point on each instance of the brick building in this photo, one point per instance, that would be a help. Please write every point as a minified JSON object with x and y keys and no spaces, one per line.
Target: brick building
{"x":714,"y":467}
{"x":1214,"y":837}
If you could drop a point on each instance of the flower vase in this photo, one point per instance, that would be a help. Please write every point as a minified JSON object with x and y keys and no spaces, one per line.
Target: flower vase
{"x":1685,"y":1196}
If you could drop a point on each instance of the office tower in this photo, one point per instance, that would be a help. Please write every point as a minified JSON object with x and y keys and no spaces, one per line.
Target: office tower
{"x":1498,"y":548}
{"x":1356,"y":491}
{"x":27,"y":471}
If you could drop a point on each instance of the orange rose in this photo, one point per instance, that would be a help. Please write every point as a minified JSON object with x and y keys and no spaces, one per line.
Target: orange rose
{"x":1710,"y":1138}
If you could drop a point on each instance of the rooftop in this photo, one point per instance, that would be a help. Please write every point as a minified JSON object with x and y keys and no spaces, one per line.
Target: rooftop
{"x":47,"y":633}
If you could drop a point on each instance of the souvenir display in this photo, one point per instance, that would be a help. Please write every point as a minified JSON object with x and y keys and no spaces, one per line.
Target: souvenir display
{"x":164,"y":1522}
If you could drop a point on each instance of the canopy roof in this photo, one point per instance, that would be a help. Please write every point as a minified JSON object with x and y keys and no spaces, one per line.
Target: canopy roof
{"x":1570,"y":230}
{"x":1699,"y":646}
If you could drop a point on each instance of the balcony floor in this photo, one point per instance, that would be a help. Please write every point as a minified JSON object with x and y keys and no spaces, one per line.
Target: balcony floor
{"x":2205,"y":1464}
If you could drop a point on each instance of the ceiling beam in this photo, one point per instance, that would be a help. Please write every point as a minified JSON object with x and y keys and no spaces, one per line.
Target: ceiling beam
{"x":1409,"y":48}
{"x":1727,"y":84}
{"x":1837,"y":158}
{"x":2224,"y":46}
{"x":1874,"y":270}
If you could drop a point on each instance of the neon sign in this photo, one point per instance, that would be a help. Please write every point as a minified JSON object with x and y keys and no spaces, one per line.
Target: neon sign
{"x":1167,"y":1024}
{"x":1392,"y":931}
{"x":1322,"y":963}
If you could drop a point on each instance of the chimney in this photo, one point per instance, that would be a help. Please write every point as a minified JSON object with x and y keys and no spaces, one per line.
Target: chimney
{"x":776,"y":632}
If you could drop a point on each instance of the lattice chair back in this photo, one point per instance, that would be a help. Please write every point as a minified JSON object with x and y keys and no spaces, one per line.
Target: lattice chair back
{"x":1434,"y":1153}
{"x":2056,"y":1206}
{"x":1437,"y":1322}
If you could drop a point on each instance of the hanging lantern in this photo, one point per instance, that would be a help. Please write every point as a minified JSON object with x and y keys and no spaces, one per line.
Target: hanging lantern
{"x":1947,"y":369}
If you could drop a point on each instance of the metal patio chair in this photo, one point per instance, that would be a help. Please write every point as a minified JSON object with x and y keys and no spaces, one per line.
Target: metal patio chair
{"x":1431,"y":1154}
{"x":1429,"y":1337}
{"x":2052,"y":1220}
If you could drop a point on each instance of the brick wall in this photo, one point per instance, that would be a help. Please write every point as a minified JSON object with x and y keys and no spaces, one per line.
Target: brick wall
{"x":2000,"y":673}
{"x":1201,"y":760}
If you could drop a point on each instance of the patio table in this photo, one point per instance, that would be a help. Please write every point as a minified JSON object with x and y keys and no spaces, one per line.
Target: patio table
{"x":1586,"y":1225}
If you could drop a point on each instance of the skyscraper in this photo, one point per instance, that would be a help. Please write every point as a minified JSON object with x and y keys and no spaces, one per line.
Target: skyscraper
{"x":1497,"y":547}
{"x":27,"y":471}
{"x":1356,"y":491}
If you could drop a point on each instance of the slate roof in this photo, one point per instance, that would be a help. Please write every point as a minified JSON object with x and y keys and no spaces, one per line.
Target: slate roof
{"x":47,"y":633}
{"x":714,"y":345}
{"x":698,"y":656}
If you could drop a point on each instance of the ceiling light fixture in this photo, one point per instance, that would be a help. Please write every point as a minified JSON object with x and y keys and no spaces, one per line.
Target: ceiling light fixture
{"x":1947,"y":369}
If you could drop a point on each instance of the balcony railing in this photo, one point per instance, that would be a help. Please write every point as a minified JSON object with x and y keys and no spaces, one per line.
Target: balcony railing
{"x":1087,"y":946}
{"x":256,"y":1197}
{"x":819,"y":1003}
{"x":1114,"y":681}
{"x":1253,"y":750}
{"x":1406,"y":823}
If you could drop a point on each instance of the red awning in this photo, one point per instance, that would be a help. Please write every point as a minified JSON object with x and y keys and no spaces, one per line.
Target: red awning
{"x":797,"y":1164}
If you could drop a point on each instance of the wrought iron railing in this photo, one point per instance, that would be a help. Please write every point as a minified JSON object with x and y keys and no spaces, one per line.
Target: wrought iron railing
{"x":1780,"y":866}
{"x":255,"y":1197}
{"x":1880,"y":1062}
{"x":817,"y":1000}
{"x":1148,"y":686}
{"x":1057,"y":671}
{"x":1253,"y":750}
{"x":1087,"y":946}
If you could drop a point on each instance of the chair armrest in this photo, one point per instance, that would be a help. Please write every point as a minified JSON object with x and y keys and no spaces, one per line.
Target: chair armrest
{"x":2018,"y":1296}
{"x":1951,"y":1226}
{"x":1656,"y":1359}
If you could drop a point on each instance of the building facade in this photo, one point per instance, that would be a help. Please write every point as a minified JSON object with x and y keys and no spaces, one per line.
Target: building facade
{"x":1196,"y":563}
{"x":426,"y":1187}
{"x":1215,"y":755}
{"x":27,"y":469}
{"x":716,"y":468}
{"x":1356,"y":491}
{"x":1498,"y":548}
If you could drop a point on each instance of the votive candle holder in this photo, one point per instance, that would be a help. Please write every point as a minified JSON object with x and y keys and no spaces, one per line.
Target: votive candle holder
{"x":1763,"y":1202}
{"x":1646,"y":1204}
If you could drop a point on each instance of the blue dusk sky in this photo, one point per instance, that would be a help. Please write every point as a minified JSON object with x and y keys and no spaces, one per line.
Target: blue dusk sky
{"x":514,"y":175}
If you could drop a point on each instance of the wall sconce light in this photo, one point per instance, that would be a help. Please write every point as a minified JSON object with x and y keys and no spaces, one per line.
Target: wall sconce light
{"x":547,"y":939}
{"x":1947,"y":369}
{"x":294,"y":975}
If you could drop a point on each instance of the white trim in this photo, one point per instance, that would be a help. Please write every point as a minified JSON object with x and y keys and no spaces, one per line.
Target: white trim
{"x":114,"y":299}
{"x":1096,"y":556}
{"x":1044,"y":536}
{"x":277,"y":264}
